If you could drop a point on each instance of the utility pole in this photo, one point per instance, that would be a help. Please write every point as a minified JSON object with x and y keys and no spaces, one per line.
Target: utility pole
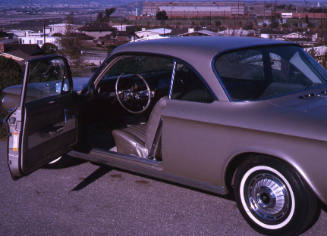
{"x":210,"y":19}
{"x":264,"y":10}
{"x":44,"y":32}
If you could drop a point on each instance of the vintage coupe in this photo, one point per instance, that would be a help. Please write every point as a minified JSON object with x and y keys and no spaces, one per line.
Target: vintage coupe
{"x":223,"y":114}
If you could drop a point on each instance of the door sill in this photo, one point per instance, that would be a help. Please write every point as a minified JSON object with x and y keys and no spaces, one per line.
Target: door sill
{"x":116,"y":159}
{"x":145,"y":167}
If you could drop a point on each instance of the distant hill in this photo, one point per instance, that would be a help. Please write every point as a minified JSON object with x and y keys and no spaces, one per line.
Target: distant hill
{"x":116,"y":2}
{"x":53,"y":2}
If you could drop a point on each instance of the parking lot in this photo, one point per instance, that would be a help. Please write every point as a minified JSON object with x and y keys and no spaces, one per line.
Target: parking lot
{"x":86,"y":199}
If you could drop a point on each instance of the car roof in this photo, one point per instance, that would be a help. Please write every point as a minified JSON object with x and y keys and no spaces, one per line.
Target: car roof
{"x":197,"y":51}
{"x":183,"y":47}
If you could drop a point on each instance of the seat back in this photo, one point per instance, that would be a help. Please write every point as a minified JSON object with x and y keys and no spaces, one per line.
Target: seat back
{"x":153,"y":122}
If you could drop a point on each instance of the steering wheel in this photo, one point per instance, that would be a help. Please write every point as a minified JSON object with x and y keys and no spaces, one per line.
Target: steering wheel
{"x":133,"y":93}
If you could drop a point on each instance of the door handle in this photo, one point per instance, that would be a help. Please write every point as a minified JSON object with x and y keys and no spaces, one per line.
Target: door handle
{"x":52,"y":102}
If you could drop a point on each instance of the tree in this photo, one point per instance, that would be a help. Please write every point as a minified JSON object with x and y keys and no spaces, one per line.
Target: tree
{"x":108,"y":12}
{"x":274,"y":25}
{"x":70,"y":19}
{"x":313,"y":53}
{"x":3,"y":34}
{"x":217,"y":23}
{"x":202,"y":23}
{"x":307,"y":19}
{"x":161,"y":15}
{"x":324,"y":61}
{"x":10,"y":74}
{"x":248,"y":26}
{"x":49,"y":48}
{"x":100,"y":18}
{"x":71,"y":46}
{"x":57,"y":35}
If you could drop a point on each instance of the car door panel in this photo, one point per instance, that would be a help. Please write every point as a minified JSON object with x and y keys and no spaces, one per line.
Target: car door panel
{"x":44,"y":126}
{"x":50,"y":130}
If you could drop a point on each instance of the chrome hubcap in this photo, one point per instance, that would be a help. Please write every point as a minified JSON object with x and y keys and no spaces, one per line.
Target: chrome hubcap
{"x":267,"y":197}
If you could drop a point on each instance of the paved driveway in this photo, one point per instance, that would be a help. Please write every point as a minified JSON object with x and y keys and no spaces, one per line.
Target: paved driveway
{"x":85,"y":199}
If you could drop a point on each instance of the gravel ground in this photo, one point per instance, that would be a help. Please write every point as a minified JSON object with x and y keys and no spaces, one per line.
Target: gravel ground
{"x":86,"y":199}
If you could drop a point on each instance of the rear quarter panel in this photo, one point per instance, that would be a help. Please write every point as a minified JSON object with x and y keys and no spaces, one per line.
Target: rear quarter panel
{"x":200,"y":140}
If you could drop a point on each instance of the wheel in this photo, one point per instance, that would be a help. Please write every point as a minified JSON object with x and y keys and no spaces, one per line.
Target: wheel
{"x":273,"y":197}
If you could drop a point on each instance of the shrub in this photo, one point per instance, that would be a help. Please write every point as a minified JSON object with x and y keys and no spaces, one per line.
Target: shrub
{"x":10,"y":74}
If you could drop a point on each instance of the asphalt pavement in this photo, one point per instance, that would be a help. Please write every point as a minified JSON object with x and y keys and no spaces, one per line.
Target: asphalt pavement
{"x":86,"y":199}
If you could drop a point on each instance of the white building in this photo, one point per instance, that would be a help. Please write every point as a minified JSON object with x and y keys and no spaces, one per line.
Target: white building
{"x":151,"y":34}
{"x":97,"y":34}
{"x":61,"y":28}
{"x":19,"y":33}
{"x":122,"y":27}
{"x":236,"y":32}
{"x":294,"y":35}
{"x":38,"y":38}
{"x":319,"y":51}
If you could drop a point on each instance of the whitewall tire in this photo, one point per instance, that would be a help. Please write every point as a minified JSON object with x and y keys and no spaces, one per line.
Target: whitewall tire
{"x":273,"y":198}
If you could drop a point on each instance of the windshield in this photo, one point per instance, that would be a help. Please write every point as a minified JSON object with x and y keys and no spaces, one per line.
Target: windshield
{"x":265,"y":72}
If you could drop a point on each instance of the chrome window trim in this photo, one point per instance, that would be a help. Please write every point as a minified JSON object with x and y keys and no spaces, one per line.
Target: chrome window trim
{"x":172,"y":79}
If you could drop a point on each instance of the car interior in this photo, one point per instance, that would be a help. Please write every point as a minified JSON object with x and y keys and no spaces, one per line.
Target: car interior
{"x":124,"y":114}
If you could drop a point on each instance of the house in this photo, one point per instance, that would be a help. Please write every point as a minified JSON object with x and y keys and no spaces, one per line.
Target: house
{"x":151,"y":34}
{"x":61,"y":28}
{"x":22,"y":52}
{"x":6,"y":44}
{"x":192,"y":32}
{"x":236,"y":32}
{"x":294,"y":35}
{"x":263,"y":22}
{"x":20,"y":33}
{"x":38,"y":38}
{"x":122,"y":27}
{"x":194,"y":9}
{"x":319,"y":51}
{"x":97,"y":34}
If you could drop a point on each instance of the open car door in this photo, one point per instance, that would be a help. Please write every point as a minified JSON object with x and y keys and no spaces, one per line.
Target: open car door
{"x":44,"y":124}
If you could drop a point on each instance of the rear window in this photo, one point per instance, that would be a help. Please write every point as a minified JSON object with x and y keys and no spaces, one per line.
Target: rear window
{"x":265,"y":72}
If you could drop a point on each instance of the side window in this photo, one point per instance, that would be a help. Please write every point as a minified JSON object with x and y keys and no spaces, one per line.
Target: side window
{"x":140,"y":65}
{"x":156,"y":70}
{"x":47,"y":78}
{"x":189,"y":87}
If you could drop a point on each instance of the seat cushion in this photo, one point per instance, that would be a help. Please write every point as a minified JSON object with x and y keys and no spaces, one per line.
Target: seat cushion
{"x":137,"y":130}
{"x":131,"y":140}
{"x":138,"y":139}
